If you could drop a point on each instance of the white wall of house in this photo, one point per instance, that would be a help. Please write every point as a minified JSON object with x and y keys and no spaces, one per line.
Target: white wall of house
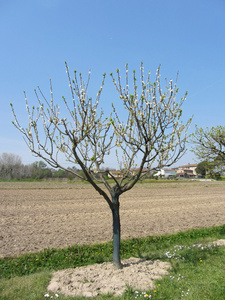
{"x":165,"y":173}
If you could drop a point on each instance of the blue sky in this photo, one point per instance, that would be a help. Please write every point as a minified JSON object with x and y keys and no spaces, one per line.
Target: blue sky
{"x":38,"y":36}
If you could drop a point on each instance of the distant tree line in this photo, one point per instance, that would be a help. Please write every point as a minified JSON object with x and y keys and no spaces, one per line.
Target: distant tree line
{"x":11,"y":167}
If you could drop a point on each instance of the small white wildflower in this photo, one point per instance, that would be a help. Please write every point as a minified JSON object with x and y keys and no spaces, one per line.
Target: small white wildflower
{"x":56,"y":295}
{"x":46,"y":295}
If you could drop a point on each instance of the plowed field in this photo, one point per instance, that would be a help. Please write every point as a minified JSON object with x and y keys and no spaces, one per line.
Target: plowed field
{"x":35,"y":216}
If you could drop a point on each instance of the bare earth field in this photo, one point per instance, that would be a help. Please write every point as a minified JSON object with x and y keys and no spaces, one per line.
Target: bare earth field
{"x":35,"y":216}
{"x":40,"y":215}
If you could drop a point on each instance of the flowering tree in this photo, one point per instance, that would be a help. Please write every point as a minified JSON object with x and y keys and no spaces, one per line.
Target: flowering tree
{"x":148,"y":135}
{"x":209,"y":144}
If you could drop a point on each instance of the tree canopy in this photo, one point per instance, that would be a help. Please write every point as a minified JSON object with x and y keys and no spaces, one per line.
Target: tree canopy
{"x":209,"y":143}
{"x":204,"y":168}
{"x":147,"y":134}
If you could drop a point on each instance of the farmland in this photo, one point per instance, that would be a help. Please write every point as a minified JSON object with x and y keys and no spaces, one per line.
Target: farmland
{"x":40,"y":215}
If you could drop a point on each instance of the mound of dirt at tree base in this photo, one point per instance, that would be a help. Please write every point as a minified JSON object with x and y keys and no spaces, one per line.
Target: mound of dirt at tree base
{"x":93,"y":280}
{"x":97,"y":279}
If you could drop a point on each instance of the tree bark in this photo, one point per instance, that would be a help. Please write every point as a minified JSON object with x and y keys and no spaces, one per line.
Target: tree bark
{"x":116,"y":229}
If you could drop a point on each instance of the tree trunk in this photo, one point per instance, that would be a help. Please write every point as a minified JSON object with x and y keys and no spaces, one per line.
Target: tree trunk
{"x":116,"y":230}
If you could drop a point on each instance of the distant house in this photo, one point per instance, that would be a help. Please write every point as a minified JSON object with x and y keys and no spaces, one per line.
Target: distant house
{"x":187,"y":171}
{"x":166,"y":173}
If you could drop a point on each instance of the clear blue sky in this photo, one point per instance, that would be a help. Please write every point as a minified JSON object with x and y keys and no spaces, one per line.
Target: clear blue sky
{"x":37,"y":36}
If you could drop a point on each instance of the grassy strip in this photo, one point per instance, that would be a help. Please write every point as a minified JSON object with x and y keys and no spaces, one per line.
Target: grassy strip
{"x":75,"y":256}
{"x":197,"y":273}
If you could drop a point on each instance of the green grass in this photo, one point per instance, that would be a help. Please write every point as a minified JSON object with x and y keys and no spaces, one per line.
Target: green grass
{"x":198,"y":272}
{"x":30,"y":287}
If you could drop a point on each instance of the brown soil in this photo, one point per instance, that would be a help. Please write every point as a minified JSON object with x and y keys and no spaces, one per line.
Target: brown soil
{"x":36,"y":216}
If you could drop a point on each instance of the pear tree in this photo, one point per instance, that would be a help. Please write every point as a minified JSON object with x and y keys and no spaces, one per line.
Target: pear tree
{"x":144,"y":134}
